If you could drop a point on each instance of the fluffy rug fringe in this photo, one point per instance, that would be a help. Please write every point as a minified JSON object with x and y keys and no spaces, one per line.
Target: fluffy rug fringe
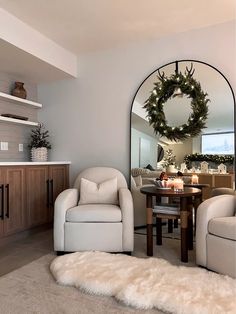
{"x":147,"y":283}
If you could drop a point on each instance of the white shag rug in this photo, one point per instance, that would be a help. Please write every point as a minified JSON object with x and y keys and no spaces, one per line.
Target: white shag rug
{"x":147,"y":283}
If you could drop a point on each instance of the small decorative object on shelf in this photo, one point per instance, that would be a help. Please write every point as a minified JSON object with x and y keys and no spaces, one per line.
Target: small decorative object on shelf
{"x":19,"y":90}
{"x":183,"y":167}
{"x":178,"y":185}
{"x":204,"y":167}
{"x":14,"y":116}
{"x":194,"y":179}
{"x":169,"y":160}
{"x":39,"y":144}
{"x":222,"y":169}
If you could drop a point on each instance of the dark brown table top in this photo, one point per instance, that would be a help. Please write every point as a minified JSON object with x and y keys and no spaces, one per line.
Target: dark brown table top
{"x":197,"y":185}
{"x":154,"y":191}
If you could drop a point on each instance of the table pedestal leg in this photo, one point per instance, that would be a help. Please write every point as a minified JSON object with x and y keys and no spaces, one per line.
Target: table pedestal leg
{"x":158,"y":231}
{"x":190,"y":223}
{"x":184,"y":229}
{"x":149,"y":226}
{"x":197,"y":202}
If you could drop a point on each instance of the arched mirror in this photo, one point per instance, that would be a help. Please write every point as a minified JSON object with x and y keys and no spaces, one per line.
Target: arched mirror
{"x":215,"y":139}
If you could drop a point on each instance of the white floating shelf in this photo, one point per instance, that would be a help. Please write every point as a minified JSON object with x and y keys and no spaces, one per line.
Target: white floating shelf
{"x":18,"y":100}
{"x":18,"y":121}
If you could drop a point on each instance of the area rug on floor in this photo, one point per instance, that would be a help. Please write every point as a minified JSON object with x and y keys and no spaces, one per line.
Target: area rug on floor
{"x":32,"y":289}
{"x":147,"y":283}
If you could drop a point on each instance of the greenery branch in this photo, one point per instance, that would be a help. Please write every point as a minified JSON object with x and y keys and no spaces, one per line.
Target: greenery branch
{"x":39,"y":137}
{"x":218,"y":159}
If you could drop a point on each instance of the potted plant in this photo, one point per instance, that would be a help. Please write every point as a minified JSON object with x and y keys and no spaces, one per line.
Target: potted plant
{"x":39,"y":144}
{"x":169,"y":160}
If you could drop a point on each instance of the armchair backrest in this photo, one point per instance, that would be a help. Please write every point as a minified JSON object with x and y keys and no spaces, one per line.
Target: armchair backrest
{"x":221,"y":191}
{"x":101,"y":174}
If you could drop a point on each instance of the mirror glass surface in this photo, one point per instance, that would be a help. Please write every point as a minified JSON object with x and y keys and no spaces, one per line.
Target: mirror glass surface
{"x":145,"y":143}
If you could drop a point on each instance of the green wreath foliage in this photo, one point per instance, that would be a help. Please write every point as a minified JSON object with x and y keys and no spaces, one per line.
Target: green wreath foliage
{"x":218,"y":159}
{"x":163,"y":90}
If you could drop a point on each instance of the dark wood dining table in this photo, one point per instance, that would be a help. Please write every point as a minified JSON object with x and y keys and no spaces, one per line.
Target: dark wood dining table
{"x":186,"y":202}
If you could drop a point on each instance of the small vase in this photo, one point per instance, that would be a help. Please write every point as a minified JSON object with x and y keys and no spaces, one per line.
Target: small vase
{"x":19,"y":90}
{"x":39,"y":154}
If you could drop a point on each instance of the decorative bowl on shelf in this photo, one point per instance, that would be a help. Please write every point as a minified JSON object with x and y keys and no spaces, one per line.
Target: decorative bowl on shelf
{"x":14,"y":116}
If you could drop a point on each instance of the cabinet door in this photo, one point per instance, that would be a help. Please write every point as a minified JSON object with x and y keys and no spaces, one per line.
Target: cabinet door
{"x":223,"y":180}
{"x":1,"y":200}
{"x":206,"y":179}
{"x":37,"y":195}
{"x":59,"y":181}
{"x":14,"y":191}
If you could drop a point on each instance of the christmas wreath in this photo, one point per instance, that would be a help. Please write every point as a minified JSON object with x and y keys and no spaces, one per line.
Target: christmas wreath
{"x":164,"y":89}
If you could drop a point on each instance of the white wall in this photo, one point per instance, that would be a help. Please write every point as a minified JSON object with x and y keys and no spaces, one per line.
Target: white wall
{"x":89,"y":117}
{"x":138,"y":152}
{"x":180,"y":150}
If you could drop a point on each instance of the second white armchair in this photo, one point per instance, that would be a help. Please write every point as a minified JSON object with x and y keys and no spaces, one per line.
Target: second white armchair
{"x":216,"y":234}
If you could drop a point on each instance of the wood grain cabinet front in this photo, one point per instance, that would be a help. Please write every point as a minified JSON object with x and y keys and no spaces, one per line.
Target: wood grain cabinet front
{"x":37,"y":195}
{"x":27,"y":195}
{"x":58,"y":182}
{"x":44,"y":183}
{"x":12,"y":202}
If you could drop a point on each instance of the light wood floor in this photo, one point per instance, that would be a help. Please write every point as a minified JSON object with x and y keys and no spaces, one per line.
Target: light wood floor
{"x":19,"y":252}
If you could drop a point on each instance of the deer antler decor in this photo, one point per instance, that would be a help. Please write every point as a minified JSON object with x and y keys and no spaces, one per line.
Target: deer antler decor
{"x":164,"y":89}
{"x":190,"y":71}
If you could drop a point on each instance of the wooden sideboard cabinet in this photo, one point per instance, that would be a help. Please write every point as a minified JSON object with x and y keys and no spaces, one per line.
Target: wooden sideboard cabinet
{"x":28,"y":193}
{"x":215,"y":181}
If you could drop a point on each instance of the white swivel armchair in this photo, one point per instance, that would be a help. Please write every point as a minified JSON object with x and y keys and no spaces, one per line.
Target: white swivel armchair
{"x":216,"y":234}
{"x":97,"y":214}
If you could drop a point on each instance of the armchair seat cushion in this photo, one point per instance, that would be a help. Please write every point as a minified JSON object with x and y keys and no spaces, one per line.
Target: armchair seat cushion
{"x":224,"y":227}
{"x":94,"y":213}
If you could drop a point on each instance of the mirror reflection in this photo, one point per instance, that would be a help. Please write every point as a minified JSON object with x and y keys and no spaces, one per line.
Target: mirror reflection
{"x":215,"y":140}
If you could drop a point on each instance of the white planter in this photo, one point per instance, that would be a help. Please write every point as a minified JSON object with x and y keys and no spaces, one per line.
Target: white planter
{"x":171,"y":168}
{"x":39,"y":154}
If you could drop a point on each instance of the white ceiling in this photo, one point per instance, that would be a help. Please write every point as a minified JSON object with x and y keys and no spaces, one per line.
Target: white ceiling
{"x":90,"y":25}
{"x":19,"y":63}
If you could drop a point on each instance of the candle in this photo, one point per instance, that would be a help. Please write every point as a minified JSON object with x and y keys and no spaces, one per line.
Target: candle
{"x":178,"y":185}
{"x":194,"y":179}
{"x":169,"y":183}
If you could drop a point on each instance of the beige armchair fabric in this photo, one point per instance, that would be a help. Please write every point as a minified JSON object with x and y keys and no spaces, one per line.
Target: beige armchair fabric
{"x":139,"y":200}
{"x":216,"y":234}
{"x":221,"y":191}
{"x":101,"y":227}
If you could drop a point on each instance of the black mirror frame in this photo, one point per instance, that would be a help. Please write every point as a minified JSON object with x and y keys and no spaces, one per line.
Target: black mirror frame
{"x":184,"y":60}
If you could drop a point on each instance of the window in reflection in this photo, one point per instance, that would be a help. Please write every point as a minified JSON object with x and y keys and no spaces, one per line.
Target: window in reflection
{"x":220,"y":143}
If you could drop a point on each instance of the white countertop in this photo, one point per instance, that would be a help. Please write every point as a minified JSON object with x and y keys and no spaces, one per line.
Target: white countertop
{"x":31,"y":163}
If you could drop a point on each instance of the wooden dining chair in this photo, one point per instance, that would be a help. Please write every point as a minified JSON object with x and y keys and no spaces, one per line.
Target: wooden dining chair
{"x":165,"y":211}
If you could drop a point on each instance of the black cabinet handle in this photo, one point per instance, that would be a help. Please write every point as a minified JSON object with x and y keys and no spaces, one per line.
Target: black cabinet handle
{"x":48,"y":193}
{"x":51,"y":183}
{"x":8,"y":201}
{"x":2,"y":201}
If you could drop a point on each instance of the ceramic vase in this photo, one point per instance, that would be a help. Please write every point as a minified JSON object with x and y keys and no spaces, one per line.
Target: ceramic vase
{"x":19,"y":90}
